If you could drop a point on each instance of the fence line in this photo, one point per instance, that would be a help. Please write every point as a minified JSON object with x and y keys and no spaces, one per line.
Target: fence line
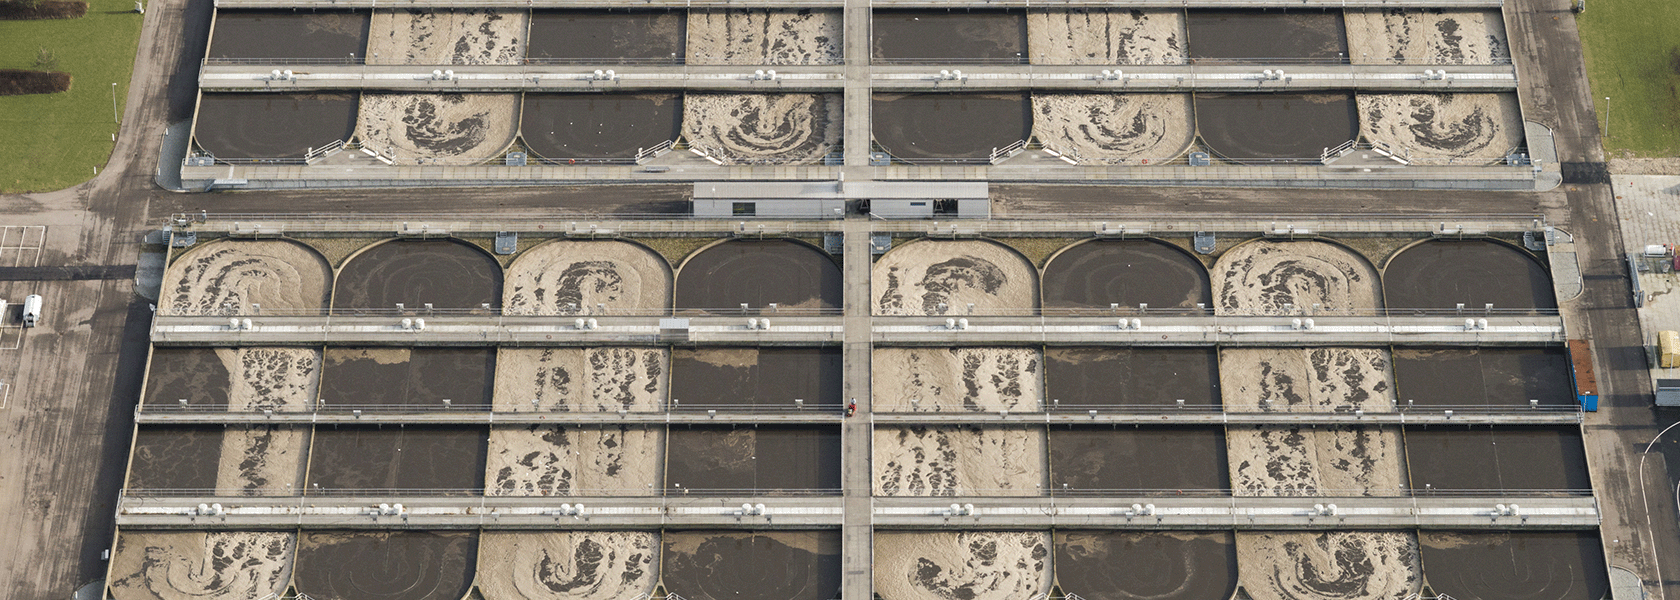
{"x":678,"y":492}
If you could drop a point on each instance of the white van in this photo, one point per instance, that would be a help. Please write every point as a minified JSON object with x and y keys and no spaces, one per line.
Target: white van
{"x":31,"y":310}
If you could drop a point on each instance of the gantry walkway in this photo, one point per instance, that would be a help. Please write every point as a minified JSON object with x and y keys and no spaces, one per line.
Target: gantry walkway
{"x":725,"y":4}
{"x":1153,"y":511}
{"x":896,"y":79}
{"x":1131,"y":328}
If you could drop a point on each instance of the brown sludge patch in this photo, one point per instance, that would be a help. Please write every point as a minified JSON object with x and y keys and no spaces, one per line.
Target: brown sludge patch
{"x":764,"y":37}
{"x":453,"y":37}
{"x":261,"y":460}
{"x":278,"y":275}
{"x":970,"y":565}
{"x":1306,"y":379}
{"x":1443,"y":128}
{"x":944,"y":277}
{"x":1426,"y":37}
{"x":581,"y":379}
{"x":1114,"y":128}
{"x":778,"y":129}
{"x":556,"y":460}
{"x":958,"y":379}
{"x":155,"y":565}
{"x":1082,"y":36}
{"x":414,"y":129}
{"x":1341,"y":565}
{"x":959,"y":461}
{"x":1267,"y":278}
{"x":572,"y":565}
{"x":567,"y":277}
{"x":1275,"y":460}
{"x":271,"y":378}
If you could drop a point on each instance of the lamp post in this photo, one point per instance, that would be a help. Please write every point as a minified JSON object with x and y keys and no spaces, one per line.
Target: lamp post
{"x":114,"y":103}
{"x":1606,"y":116}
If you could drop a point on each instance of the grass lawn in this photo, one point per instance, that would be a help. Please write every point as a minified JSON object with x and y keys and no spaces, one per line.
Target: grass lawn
{"x":1633,"y":57}
{"x":53,"y":141}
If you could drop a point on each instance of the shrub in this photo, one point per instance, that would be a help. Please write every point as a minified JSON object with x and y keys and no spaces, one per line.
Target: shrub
{"x":45,"y":60}
{"x":16,"y":82}
{"x":26,"y":10}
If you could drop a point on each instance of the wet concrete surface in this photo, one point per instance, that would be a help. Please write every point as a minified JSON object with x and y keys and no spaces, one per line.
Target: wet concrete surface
{"x":1275,"y":126}
{"x":563,"y":127}
{"x":944,"y":36}
{"x":1146,"y":565}
{"x":272,"y":125}
{"x":771,"y":565}
{"x":1512,"y":565}
{"x":195,"y":374}
{"x":1256,"y":35}
{"x":933,"y":127}
{"x":1482,"y":376}
{"x":1128,"y":273}
{"x":398,"y":458}
{"x":175,"y":458}
{"x":581,"y":35}
{"x":773,"y":460}
{"x":395,"y":565}
{"x":756,"y":377}
{"x":1507,"y":458}
{"x":289,"y":34}
{"x":757,"y":273}
{"x":425,"y":376}
{"x":412,"y":273}
{"x":1165,"y":460}
{"x":1078,"y":377}
{"x":1443,"y":274}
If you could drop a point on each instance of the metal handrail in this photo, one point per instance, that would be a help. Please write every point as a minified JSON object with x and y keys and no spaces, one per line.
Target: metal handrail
{"x":143,"y":494}
{"x":489,"y":313}
{"x":456,"y":314}
{"x":329,"y":406}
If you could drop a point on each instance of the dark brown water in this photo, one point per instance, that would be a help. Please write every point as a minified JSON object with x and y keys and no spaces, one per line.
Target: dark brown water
{"x":744,"y":377}
{"x":562,"y":127}
{"x":581,"y":35}
{"x":195,"y":374}
{"x":1078,"y":377}
{"x":175,"y":458}
{"x":362,"y":376}
{"x":939,"y":36}
{"x":1551,"y":565}
{"x":1442,"y":274}
{"x":1482,"y":376}
{"x":930,"y":127}
{"x":1173,"y":459}
{"x":1256,"y":35}
{"x":771,"y":459}
{"x":734,"y":565}
{"x":398,"y":458}
{"x":1275,"y":126}
{"x":272,"y":125}
{"x":1505,"y":458}
{"x":1146,"y":565}
{"x":395,"y":565}
{"x":445,"y":273}
{"x":788,"y":273}
{"x":1129,"y":273}
{"x":289,"y":34}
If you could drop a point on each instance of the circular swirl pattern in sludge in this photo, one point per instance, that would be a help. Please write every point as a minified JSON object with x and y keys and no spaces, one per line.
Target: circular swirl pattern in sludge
{"x":1512,"y":565}
{"x":1114,"y":128}
{"x":1276,"y":126}
{"x":758,"y":273}
{"x":1126,"y":272}
{"x":1475,"y":273}
{"x":419,"y":129}
{"x":1465,"y":129}
{"x":452,"y":37}
{"x":943,"y":277}
{"x":1098,"y":36}
{"x":770,"y":565}
{"x":446,"y":274}
{"x":766,"y":129}
{"x":764,"y":37}
{"x":159,"y":565}
{"x":1146,"y":565}
{"x":391,"y":565}
{"x":228,"y":277}
{"x":569,"y":565}
{"x":571,"y":277}
{"x":1269,"y":277}
{"x":260,"y":125}
{"x":582,"y":379}
{"x":1307,"y":379}
{"x":934,"y":128}
{"x":959,"y":461}
{"x":1332,"y":565}
{"x":557,"y":460}
{"x":1426,"y":37}
{"x":969,"y":565}
{"x":957,"y":379}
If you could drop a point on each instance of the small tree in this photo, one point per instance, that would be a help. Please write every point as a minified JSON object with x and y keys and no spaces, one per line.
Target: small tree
{"x":29,"y":4}
{"x":46,"y":60}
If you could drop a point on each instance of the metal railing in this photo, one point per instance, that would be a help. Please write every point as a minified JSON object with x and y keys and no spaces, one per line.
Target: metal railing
{"x":1167,"y":406}
{"x":1042,"y":61}
{"x":490,"y":313}
{"x":142,"y":495}
{"x":439,"y":408}
{"x":1057,"y":491}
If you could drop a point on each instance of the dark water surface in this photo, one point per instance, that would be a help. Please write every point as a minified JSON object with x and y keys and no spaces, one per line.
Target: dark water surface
{"x":1275,"y":126}
{"x":193,"y":374}
{"x":1134,"y":459}
{"x":398,"y":458}
{"x":1256,"y":35}
{"x":272,"y":125}
{"x":1137,"y":565}
{"x":758,"y":273}
{"x":393,"y":565}
{"x":596,"y":34}
{"x":1444,"y":274}
{"x":1513,"y":565}
{"x":1493,"y":459}
{"x":1078,"y":377}
{"x":563,"y":127}
{"x":771,"y":565}
{"x":771,"y":459}
{"x":357,"y":376}
{"x":447,"y":274}
{"x":286,"y":34}
{"x":942,"y":36}
{"x":934,"y":127}
{"x":1482,"y":376}
{"x":175,"y":458}
{"x":770,"y":377}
